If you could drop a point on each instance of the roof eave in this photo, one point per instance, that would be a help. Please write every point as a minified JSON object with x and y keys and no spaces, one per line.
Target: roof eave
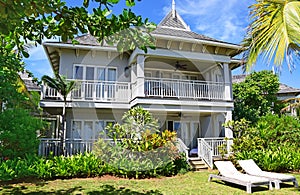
{"x":191,"y":40}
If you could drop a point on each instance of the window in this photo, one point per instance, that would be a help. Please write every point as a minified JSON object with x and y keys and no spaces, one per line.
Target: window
{"x":82,"y":72}
{"x":78,"y":72}
{"x":89,"y":129}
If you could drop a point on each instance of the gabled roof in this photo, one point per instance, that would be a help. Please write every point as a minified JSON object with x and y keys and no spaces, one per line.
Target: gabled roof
{"x":174,"y":21}
{"x":283,"y":88}
{"x":173,"y":25}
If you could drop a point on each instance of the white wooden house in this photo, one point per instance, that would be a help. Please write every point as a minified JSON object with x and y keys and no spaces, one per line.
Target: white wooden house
{"x":185,"y":82}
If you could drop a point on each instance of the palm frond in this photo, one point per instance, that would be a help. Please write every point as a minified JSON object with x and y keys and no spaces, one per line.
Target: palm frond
{"x":273,"y":33}
{"x":295,"y":104}
{"x":60,"y":84}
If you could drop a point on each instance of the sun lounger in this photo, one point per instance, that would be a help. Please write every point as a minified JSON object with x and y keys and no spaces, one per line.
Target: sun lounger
{"x":251,"y":168}
{"x":228,"y":173}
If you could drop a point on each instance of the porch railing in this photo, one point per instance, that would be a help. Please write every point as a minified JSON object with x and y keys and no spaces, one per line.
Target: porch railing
{"x":72,"y":146}
{"x":208,"y":148}
{"x":108,"y":91}
{"x":182,"y":148}
{"x":205,"y":151}
{"x":184,"y":89}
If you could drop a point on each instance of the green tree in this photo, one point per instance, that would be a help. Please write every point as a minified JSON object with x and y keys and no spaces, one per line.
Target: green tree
{"x":18,"y":133}
{"x":256,"y":96}
{"x":63,"y":87}
{"x":30,"y":21}
{"x":11,"y":93}
{"x":273,"y":32}
{"x":33,"y":20}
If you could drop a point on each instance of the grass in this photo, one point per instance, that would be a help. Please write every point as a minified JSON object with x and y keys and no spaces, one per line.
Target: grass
{"x":190,"y":183}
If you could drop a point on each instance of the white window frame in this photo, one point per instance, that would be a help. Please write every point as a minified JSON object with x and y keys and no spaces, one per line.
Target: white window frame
{"x":82,"y":121}
{"x":106,"y":68}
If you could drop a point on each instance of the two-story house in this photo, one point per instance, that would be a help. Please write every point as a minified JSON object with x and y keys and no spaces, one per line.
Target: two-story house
{"x":185,"y":82}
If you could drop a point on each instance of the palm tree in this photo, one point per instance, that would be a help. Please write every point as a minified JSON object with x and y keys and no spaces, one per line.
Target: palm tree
{"x":273,"y":32}
{"x":64,"y":87}
{"x":292,"y":103}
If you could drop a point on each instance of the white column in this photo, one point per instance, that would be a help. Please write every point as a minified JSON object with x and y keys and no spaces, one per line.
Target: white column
{"x":140,"y":74}
{"x":227,"y":82}
{"x":228,"y":117}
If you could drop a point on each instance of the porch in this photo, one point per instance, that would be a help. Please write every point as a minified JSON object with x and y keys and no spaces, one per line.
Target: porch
{"x":207,"y":149}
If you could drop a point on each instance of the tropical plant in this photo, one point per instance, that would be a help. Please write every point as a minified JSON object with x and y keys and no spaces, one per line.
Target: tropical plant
{"x":273,"y":32}
{"x":27,"y":22}
{"x":18,"y":133}
{"x":34,"y":20}
{"x":139,"y":150}
{"x":256,"y":96}
{"x":273,"y":143}
{"x":64,"y":87}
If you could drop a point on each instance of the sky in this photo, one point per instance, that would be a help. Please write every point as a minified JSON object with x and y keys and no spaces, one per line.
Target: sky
{"x":224,"y":20}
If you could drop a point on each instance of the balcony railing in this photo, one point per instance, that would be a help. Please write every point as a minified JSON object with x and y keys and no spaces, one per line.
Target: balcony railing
{"x":102,"y":91}
{"x":184,"y":89}
{"x":107,"y":91}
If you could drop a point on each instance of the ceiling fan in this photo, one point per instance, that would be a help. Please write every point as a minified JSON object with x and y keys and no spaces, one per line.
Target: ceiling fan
{"x":180,"y":66}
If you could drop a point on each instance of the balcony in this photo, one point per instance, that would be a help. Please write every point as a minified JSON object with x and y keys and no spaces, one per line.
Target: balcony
{"x":96,"y":91}
{"x":123,"y":92}
{"x":184,"y":89}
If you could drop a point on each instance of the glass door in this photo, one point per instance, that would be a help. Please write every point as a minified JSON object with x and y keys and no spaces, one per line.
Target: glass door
{"x":100,"y":78}
{"x":89,"y":83}
{"x":78,"y":75}
{"x":111,"y":78}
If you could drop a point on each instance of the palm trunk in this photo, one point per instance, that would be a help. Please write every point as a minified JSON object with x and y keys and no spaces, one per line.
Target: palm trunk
{"x":62,"y":133}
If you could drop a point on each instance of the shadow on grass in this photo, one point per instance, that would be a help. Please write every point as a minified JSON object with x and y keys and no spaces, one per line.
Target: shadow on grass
{"x":254,"y":189}
{"x":259,"y":188}
{"x":104,"y":189}
{"x":109,"y":189}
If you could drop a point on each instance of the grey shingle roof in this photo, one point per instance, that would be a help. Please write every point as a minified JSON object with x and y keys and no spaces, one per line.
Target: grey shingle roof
{"x":86,"y":39}
{"x":175,"y":26}
{"x":173,"y":22}
{"x":30,"y":85}
{"x":181,"y":33}
{"x":283,"y":88}
{"x":170,"y":26}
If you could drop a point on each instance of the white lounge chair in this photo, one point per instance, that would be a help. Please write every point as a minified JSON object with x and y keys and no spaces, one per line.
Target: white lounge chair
{"x":251,"y":168}
{"x":227,"y":172}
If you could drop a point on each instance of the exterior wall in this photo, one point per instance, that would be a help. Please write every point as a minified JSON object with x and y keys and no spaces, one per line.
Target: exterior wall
{"x":212,"y":125}
{"x":91,"y":115}
{"x":93,"y":58}
{"x":209,"y":125}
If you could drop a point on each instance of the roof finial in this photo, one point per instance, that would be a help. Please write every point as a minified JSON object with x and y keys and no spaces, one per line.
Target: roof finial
{"x":173,"y":9}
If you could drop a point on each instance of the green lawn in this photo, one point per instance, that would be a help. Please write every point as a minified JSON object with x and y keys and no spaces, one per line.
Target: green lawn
{"x":191,"y":183}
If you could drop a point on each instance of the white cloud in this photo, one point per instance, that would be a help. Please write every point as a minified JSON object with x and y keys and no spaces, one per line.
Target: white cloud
{"x":224,"y":20}
{"x":38,"y":63}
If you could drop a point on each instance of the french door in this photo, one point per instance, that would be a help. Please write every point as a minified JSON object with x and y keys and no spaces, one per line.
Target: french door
{"x":187,"y":131}
{"x":97,"y":82}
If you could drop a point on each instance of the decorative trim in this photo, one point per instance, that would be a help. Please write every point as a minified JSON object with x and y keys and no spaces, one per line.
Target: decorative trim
{"x":169,"y":44}
{"x":194,"y":47}
{"x":181,"y":45}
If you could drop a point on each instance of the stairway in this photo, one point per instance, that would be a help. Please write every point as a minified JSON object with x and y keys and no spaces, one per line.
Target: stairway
{"x":197,"y":164}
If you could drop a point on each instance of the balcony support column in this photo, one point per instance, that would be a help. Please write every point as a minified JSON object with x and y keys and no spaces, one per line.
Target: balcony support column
{"x":227,"y":82}
{"x":140,"y":74}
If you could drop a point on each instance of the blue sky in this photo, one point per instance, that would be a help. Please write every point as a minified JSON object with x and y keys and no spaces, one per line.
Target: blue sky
{"x":223,"y":20}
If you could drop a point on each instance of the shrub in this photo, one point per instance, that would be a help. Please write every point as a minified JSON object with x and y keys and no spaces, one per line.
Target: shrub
{"x":18,"y":133}
{"x":81,"y":165}
{"x":273,"y":143}
{"x":138,"y":149}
